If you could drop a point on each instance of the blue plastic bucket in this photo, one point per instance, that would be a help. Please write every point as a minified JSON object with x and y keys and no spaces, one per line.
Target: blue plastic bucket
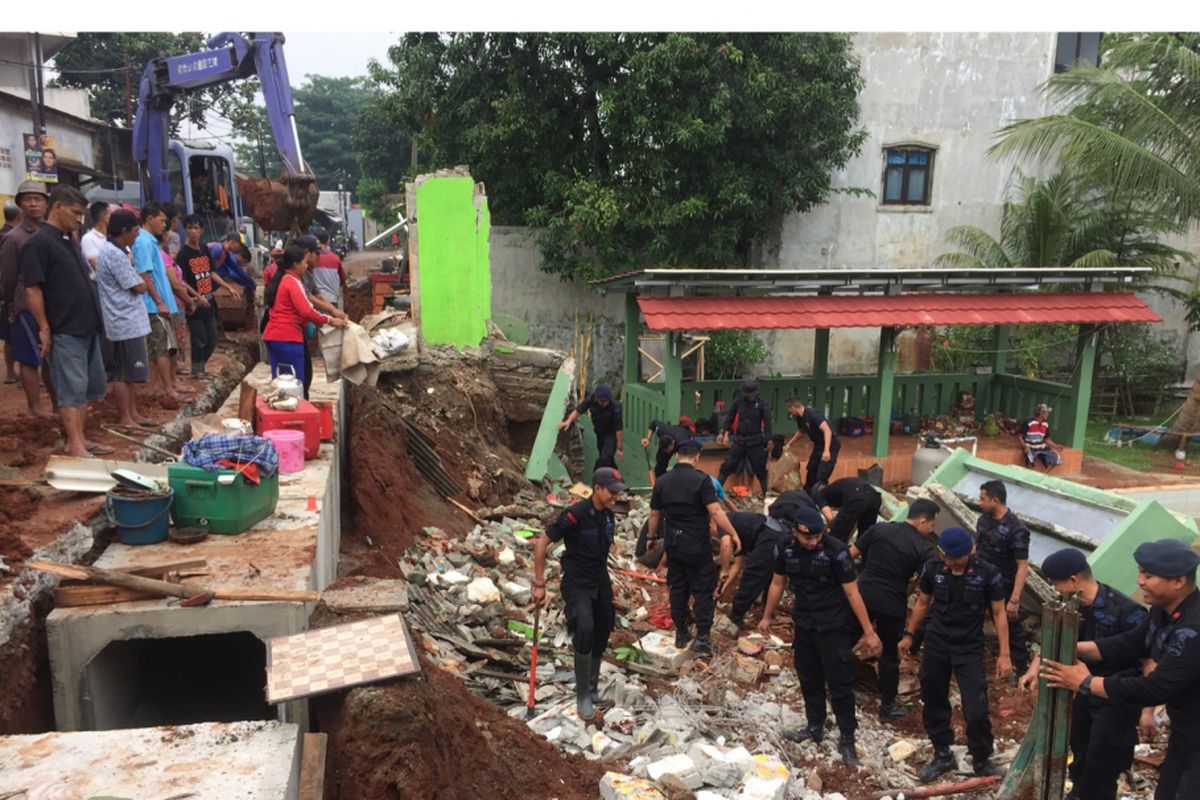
{"x":139,"y":518}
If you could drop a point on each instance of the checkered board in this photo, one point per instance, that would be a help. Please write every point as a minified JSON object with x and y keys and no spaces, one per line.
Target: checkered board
{"x":334,"y":658}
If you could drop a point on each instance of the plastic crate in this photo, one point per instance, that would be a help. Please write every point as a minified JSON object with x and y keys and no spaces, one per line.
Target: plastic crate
{"x":202,"y":502}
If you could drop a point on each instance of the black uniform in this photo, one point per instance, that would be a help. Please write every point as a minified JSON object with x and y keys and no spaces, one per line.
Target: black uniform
{"x":1002,"y":543}
{"x":1172,"y":641}
{"x":749,"y":425}
{"x":892,"y":552}
{"x":668,"y":435}
{"x":954,"y":645}
{"x":606,"y":421}
{"x":857,"y":503}
{"x":682,"y":497}
{"x":824,"y":628}
{"x":817,"y":471}
{"x":586,"y":587}
{"x":1104,"y":733}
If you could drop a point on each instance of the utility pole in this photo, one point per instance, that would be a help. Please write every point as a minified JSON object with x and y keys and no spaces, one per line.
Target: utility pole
{"x":128,"y":94}
{"x":262,"y":155}
{"x":36,"y":91}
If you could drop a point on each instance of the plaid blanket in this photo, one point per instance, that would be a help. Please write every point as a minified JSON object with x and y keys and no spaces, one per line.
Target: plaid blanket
{"x":207,"y":451}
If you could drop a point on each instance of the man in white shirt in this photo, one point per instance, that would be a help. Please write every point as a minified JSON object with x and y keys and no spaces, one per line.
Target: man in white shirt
{"x":93,"y":240}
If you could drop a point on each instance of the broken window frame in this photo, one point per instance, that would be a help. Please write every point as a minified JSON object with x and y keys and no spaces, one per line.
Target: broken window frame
{"x":906,"y":170}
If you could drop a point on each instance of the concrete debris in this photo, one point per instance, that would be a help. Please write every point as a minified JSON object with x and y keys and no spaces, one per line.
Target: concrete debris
{"x":662,"y":650}
{"x":615,"y":786}
{"x":901,"y":749}
{"x":483,"y":590}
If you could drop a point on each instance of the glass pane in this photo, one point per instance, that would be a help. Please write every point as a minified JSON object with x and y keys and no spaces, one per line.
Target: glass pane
{"x":891,"y":191}
{"x":1089,"y":48}
{"x":1066,"y":51}
{"x":918,"y":157}
{"x":896,"y":156}
{"x":916,"y":186}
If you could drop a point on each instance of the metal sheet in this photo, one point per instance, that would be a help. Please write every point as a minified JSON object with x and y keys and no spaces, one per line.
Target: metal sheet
{"x":71,"y":474}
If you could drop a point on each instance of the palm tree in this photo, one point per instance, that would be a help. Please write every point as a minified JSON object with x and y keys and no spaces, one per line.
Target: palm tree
{"x":1132,"y":125}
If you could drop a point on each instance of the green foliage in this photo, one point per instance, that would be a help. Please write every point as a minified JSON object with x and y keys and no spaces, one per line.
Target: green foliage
{"x":372,"y":195}
{"x":1132,"y":356}
{"x":1035,"y":351}
{"x":326,"y":110}
{"x":100,"y":62}
{"x":732,"y":354}
{"x":383,"y":149}
{"x":633,"y":149}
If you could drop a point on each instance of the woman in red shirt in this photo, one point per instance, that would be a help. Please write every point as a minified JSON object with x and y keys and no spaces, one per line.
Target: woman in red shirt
{"x":289,"y":311}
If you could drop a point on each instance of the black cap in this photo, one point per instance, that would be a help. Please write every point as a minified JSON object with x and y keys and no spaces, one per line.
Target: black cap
{"x":809,"y":518}
{"x":309,"y":242}
{"x":603,"y":392}
{"x":1167,"y":558}
{"x":750,"y":387}
{"x":609,"y":478}
{"x":688,"y":446}
{"x":1062,"y":564}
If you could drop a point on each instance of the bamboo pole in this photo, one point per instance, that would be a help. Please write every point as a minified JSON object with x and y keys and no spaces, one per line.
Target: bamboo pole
{"x":165,"y":588}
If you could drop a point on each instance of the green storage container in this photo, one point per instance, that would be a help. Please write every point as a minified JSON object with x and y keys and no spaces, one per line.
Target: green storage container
{"x":201,"y":502}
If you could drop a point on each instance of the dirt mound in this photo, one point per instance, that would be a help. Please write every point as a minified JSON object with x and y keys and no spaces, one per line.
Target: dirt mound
{"x":24,"y":438}
{"x":427,"y":736}
{"x":356,"y":299}
{"x":16,"y":506}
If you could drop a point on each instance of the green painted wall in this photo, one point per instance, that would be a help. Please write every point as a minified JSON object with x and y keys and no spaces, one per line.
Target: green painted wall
{"x":452,"y":261}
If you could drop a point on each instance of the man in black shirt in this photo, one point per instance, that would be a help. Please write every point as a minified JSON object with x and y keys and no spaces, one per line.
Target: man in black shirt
{"x":825,"y":609}
{"x":1002,"y":540}
{"x":825,"y":443}
{"x":199,"y":274}
{"x":681,"y":505}
{"x":63,"y":301}
{"x":668,"y":437}
{"x":607,"y":424}
{"x":892,"y":553}
{"x":587,"y":528}
{"x":749,"y":423}
{"x":857,"y":504}
{"x":755,"y":562}
{"x":1103,"y":733}
{"x":1169,"y":636}
{"x":957,"y":592}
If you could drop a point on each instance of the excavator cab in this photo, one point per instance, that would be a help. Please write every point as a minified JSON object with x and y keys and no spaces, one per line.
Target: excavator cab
{"x":202,"y":182}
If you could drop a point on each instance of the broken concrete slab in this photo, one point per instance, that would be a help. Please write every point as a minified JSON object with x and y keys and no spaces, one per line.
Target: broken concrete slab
{"x":662,"y":650}
{"x":483,"y":590}
{"x":615,"y":786}
{"x":678,"y":764}
{"x":360,"y":593}
{"x":765,"y":779}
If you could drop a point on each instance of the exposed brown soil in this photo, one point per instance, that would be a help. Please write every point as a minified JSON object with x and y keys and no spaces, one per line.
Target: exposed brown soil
{"x":356,"y":300}
{"x":427,"y":736}
{"x":25,"y":680}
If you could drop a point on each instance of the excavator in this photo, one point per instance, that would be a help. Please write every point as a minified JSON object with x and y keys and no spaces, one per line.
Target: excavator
{"x":199,"y":176}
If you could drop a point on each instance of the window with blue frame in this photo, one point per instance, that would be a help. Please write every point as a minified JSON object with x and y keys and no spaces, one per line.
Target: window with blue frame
{"x":907,"y":174}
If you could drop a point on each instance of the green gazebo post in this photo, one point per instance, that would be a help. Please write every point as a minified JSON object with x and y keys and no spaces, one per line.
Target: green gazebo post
{"x":885,"y":387}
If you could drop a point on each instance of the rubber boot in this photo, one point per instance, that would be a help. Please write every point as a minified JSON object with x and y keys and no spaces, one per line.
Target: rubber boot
{"x":683,"y":637}
{"x":583,"y":691}
{"x":594,"y":679}
{"x":943,"y":762}
{"x":848,"y":751}
{"x":702,"y":646}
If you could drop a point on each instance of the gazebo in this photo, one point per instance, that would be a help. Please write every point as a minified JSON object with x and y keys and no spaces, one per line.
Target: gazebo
{"x":675,"y":301}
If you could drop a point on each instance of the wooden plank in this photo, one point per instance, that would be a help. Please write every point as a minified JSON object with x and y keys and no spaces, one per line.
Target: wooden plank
{"x":158,"y":570}
{"x":167,"y":589}
{"x":88,"y":595}
{"x":312,"y":766}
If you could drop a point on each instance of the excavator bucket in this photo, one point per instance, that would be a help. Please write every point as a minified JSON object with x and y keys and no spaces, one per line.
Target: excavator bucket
{"x":285,"y":204}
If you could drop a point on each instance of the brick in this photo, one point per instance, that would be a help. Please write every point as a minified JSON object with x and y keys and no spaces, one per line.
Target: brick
{"x":615,"y":786}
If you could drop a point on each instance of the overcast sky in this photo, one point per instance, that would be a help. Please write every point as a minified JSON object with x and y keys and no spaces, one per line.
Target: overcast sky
{"x":313,"y":53}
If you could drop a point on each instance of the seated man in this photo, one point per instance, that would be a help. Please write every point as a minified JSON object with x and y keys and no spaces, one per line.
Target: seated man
{"x":964,"y":410}
{"x":1035,"y":438}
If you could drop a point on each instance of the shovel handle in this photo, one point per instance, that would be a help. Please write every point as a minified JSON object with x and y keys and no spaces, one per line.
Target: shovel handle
{"x":537,"y":621}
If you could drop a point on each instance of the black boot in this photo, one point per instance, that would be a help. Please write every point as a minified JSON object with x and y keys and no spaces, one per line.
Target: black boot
{"x":738,"y":619}
{"x":583,"y":691}
{"x":891,"y":711}
{"x":594,"y":678}
{"x":683,"y":637}
{"x":702,"y":646}
{"x":813,"y":733}
{"x":848,"y":751}
{"x":943,"y":762}
{"x":984,"y":768}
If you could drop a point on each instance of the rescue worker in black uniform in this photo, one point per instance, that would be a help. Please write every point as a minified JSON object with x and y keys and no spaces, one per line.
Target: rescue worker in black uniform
{"x":1169,"y":636}
{"x":957,"y":592}
{"x":825,"y":443}
{"x":755,"y":563}
{"x":606,"y":422}
{"x":892,"y":553}
{"x":681,"y":505}
{"x":825,"y":609}
{"x":749,"y":423}
{"x":668,"y":437}
{"x":1103,"y":733}
{"x":587,"y":529}
{"x":857,"y":505}
{"x":1002,"y":540}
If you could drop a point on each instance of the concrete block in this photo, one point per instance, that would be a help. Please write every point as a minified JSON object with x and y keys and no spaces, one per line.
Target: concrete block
{"x":519,"y":593}
{"x":902,"y":749}
{"x":615,"y":786}
{"x":453,"y":577}
{"x":721,"y":774}
{"x":662,"y":650}
{"x":678,"y":764}
{"x":705,"y":794}
{"x":765,"y":779}
{"x":748,"y":670}
{"x":482,"y":590}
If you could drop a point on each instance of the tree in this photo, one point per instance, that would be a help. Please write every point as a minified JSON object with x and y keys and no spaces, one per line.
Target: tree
{"x":732,"y":354}
{"x":101,"y":62}
{"x":326,"y":109}
{"x":372,"y":194}
{"x":626,"y":149}
{"x":383,"y":148}
{"x":1131,"y":125}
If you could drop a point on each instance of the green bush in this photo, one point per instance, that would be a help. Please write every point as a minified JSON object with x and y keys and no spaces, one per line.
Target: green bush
{"x":731,"y":354}
{"x":1035,"y":351}
{"x":1132,"y":356}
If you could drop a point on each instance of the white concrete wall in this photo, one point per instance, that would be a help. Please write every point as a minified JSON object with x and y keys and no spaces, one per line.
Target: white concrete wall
{"x":72,"y":142}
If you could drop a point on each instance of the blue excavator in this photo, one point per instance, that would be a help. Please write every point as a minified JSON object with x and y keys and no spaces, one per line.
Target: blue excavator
{"x":199,"y":176}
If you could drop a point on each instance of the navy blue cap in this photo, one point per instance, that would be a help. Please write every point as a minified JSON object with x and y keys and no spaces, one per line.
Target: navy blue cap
{"x":1062,"y":564}
{"x":603,"y":392}
{"x":609,"y":478}
{"x":1167,"y":558}
{"x":809,"y":518}
{"x":750,"y":387}
{"x":688,"y":446}
{"x":955,"y":542}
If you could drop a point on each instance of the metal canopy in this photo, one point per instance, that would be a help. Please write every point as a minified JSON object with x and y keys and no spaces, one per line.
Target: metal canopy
{"x":823,"y":281}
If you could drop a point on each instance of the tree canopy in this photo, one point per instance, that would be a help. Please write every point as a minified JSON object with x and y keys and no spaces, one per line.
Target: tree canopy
{"x":632,"y":149}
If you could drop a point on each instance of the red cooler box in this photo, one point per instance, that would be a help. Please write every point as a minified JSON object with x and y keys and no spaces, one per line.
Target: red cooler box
{"x":305,"y":418}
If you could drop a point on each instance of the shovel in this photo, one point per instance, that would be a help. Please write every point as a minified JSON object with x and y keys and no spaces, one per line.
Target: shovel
{"x":537,"y":621}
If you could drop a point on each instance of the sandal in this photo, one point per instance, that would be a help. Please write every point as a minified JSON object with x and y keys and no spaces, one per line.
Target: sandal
{"x":147,"y":423}
{"x":95,"y":448}
{"x":11,"y":379}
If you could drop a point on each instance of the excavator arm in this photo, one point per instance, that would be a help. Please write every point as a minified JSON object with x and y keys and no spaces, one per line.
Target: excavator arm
{"x":286,"y":204}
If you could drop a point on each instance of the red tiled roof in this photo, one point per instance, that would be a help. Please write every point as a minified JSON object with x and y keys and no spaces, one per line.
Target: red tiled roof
{"x":706,"y":313}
